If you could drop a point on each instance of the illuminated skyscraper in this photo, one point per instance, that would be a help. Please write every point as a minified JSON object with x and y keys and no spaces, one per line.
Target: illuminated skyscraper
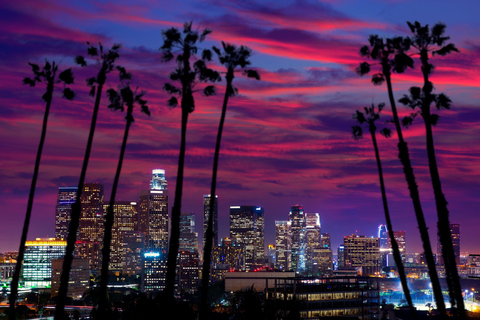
{"x":188,"y":237}
{"x":364,"y":252}
{"x":154,"y":271}
{"x":37,"y":265}
{"x":125,"y":220}
{"x":385,"y":245}
{"x":245,"y":222}
{"x":133,"y":247}
{"x":91,"y":225}
{"x":455,"y":232}
{"x":158,"y":181}
{"x":283,"y":245}
{"x":326,"y":260}
{"x":66,"y":197}
{"x":153,"y":218}
{"x":400,"y":238}
{"x":206,"y":212}
{"x":312,"y":243}
{"x":299,"y":224}
{"x":226,"y":256}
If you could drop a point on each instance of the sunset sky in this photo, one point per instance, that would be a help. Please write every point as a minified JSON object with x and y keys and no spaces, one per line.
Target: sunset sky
{"x":287,"y":138}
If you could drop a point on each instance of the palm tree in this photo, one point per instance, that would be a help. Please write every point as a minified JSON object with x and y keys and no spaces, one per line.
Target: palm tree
{"x":231,"y":57}
{"x":48,"y":76}
{"x":369,"y":118}
{"x":106,"y":60}
{"x":125,"y":97}
{"x":430,"y":41}
{"x":185,"y":47}
{"x":391,"y":56}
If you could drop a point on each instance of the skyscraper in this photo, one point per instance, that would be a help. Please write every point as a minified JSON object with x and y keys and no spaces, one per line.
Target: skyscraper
{"x":206,"y":211}
{"x":283,"y":245}
{"x":385,"y":244}
{"x":125,"y":220}
{"x":312,"y":243}
{"x":299,"y":224}
{"x":91,"y":225}
{"x":400,"y":238}
{"x":245,"y":222}
{"x":188,"y":237}
{"x":362,"y":251}
{"x":66,"y":197}
{"x":326,"y":258}
{"x":455,"y":232}
{"x":153,"y":216}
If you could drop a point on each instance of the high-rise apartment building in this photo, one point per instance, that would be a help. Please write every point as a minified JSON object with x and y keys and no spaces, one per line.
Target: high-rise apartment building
{"x":66,"y":197}
{"x":283,"y":245}
{"x":91,"y":225}
{"x":125,"y":220}
{"x":153,"y":212}
{"x":364,"y":252}
{"x":455,"y":232}
{"x":245,"y":222}
{"x":207,"y":199}
{"x":312,"y":244}
{"x":37,"y":265}
{"x":298,"y":228}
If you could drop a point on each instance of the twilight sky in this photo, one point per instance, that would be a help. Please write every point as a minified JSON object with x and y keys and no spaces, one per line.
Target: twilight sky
{"x":287,"y":138}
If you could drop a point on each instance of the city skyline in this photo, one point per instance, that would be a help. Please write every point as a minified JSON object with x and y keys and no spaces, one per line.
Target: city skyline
{"x":287,"y":138}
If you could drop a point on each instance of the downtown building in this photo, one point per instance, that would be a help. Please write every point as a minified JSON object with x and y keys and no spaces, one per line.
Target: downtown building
{"x":65,"y":199}
{"x":37,"y":263}
{"x":298,"y":229}
{"x":283,"y":245}
{"x":312,"y":244}
{"x":455,"y":233}
{"x":227,"y":256}
{"x":207,"y":200}
{"x":247,"y":230}
{"x":153,"y":222}
{"x":188,"y":259}
{"x":325,"y":266}
{"x":362,"y":252}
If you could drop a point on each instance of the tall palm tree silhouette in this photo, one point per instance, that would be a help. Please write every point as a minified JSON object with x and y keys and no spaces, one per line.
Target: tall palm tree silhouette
{"x":231,"y":57}
{"x":185,"y":48}
{"x":125,"y":97}
{"x":391,"y":56}
{"x":429,"y":42}
{"x":369,"y":118}
{"x":46,"y":75}
{"x":105,"y":58}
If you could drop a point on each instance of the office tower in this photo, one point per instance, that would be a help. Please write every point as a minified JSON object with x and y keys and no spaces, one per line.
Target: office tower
{"x":244,"y":224}
{"x":66,"y":197}
{"x":79,"y":280}
{"x":206,"y":211}
{"x":154,"y":271}
{"x":400,"y":238}
{"x":158,"y":181}
{"x":312,"y":243}
{"x":283,"y":245}
{"x":364,"y":252}
{"x":187,"y":272}
{"x":341,"y":256}
{"x":187,"y":262}
{"x":325,"y":265}
{"x":91,"y":225}
{"x":125,"y":219}
{"x":385,"y":244}
{"x":153,"y":212}
{"x":37,"y":265}
{"x":133,"y":247}
{"x":298,"y":221}
{"x":455,"y":232}
{"x":260,"y":237}
{"x":188,"y":237}
{"x":227,"y":256}
{"x":271,"y":253}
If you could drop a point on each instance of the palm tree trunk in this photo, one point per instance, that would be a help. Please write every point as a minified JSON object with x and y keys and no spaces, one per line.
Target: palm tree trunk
{"x":76,"y":210}
{"x":207,"y":251}
{"x":444,"y":233}
{"x":26,"y":224}
{"x":103,"y":304}
{"x":175,"y":234}
{"x":414,"y":194}
{"x":443,"y":223}
{"x":396,"y":252}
